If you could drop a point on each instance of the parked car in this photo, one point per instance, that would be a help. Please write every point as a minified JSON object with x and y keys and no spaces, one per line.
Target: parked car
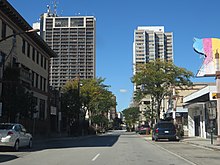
{"x":143,"y":129}
{"x":14,"y":135}
{"x":164,"y":130}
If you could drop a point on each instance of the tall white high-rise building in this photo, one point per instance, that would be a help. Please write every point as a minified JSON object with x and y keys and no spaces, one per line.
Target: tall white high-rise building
{"x":74,"y":40}
{"x":150,"y":43}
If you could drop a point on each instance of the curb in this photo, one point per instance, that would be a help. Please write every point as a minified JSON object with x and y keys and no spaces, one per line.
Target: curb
{"x":216,"y":148}
{"x":205,"y":146}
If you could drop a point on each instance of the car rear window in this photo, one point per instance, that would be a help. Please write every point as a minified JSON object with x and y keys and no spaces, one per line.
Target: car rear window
{"x":6,"y":126}
{"x":166,"y":125}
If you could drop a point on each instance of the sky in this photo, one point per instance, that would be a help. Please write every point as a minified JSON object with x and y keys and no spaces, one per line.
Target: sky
{"x":116,"y":21}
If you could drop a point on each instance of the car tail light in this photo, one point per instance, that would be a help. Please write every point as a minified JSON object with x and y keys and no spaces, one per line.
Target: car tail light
{"x":157,"y":130}
{"x":10,"y":133}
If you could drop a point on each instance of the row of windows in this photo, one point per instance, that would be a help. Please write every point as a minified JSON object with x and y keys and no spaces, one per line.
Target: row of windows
{"x":26,"y":49}
{"x":34,"y":54}
{"x":3,"y":32}
{"x":74,"y":22}
{"x":39,"y":81}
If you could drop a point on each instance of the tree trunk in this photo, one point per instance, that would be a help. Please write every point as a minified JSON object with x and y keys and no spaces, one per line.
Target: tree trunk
{"x":152,"y":115}
{"x":158,"y":109}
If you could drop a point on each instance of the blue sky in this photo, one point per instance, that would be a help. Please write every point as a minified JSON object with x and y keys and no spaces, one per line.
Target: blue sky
{"x":116,"y":22}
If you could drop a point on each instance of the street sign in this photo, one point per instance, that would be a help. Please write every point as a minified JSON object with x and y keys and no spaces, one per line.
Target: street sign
{"x":212,"y":113}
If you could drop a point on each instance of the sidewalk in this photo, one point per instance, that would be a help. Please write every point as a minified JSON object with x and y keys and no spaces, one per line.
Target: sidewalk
{"x":196,"y":141}
{"x":201,"y":142}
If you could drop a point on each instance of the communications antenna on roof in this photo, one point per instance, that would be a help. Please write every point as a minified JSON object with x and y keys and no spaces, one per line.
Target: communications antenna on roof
{"x":55,"y":8}
{"x":48,"y":9}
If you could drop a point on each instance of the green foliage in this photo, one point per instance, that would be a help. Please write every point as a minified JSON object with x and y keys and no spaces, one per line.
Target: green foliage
{"x":90,"y":95}
{"x":70,"y":100}
{"x":100,"y":119}
{"x":131,"y":115}
{"x":16,"y":96}
{"x":156,"y":78}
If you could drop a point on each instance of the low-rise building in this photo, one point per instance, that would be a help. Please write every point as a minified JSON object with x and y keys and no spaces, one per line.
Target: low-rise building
{"x":23,"y":50}
{"x":202,"y":111}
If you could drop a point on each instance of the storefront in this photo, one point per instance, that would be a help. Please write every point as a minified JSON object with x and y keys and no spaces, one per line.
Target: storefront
{"x":201,"y":113}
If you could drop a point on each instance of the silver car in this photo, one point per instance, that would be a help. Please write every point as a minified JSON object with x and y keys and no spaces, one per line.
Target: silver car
{"x":14,"y":135}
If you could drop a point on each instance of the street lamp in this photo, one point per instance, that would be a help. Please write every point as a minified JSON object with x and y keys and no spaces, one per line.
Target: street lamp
{"x":13,"y":35}
{"x":19,"y":33}
{"x":81,"y":114}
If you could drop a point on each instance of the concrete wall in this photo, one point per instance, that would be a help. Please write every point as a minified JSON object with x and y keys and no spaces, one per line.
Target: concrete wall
{"x":196,"y":110}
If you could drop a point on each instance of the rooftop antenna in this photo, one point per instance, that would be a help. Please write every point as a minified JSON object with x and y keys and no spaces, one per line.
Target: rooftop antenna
{"x":48,"y":9}
{"x":55,"y":8}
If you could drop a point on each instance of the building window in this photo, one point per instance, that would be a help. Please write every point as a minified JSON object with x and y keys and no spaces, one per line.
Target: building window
{"x":36,"y":80}
{"x":33,"y":54}
{"x":76,"y":22}
{"x":28,"y":50}
{"x":32,"y":80}
{"x":35,"y":102}
{"x":41,"y":83}
{"x":42,"y":109}
{"x":42,"y":61}
{"x":61,"y":22}
{"x":3,"y":35}
{"x":45,"y":63}
{"x":45,"y":83}
{"x":37,"y":57}
{"x":23,"y":46}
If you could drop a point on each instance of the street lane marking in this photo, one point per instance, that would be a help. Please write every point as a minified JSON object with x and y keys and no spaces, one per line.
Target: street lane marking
{"x":190,"y":162}
{"x":95,"y":157}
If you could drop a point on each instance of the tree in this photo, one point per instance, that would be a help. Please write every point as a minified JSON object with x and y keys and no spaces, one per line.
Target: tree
{"x":157,"y":78}
{"x":97,"y":100}
{"x":87,"y":95}
{"x":70,"y":104}
{"x":150,"y":112}
{"x":18,"y":100}
{"x":131,"y":115}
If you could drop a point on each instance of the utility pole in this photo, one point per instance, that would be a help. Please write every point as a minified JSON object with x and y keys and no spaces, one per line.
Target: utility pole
{"x":217,"y":74}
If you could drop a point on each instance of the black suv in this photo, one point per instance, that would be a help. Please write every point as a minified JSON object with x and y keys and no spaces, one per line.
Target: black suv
{"x":164,"y":130}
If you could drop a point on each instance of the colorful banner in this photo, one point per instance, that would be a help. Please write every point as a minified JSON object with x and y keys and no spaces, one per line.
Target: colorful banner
{"x":210,"y":48}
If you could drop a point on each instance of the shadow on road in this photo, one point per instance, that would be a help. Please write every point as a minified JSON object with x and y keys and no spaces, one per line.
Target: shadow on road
{"x":7,"y":157}
{"x":75,"y":142}
{"x":62,"y":143}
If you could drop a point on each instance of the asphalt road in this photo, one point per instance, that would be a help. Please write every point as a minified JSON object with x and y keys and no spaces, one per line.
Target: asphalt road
{"x":114,"y":148}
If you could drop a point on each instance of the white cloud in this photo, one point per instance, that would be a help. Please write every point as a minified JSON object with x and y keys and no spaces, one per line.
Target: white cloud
{"x":123,"y":90}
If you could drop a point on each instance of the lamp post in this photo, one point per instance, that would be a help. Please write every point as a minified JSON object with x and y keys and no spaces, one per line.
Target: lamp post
{"x":19,"y":33}
{"x":79,"y":106}
{"x":217,"y":74}
{"x":13,"y":35}
{"x":81,"y":117}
